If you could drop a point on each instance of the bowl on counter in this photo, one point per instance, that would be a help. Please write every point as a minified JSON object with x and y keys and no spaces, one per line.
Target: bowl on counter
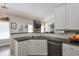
{"x":74,"y":37}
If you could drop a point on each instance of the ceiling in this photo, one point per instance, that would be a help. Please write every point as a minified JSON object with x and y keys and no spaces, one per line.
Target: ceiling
{"x":40,"y":10}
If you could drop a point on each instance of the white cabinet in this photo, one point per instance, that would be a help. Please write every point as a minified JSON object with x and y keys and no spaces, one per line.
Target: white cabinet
{"x":67,"y":17}
{"x":66,"y":53}
{"x":21,"y":48}
{"x":72,"y":16}
{"x":37,"y":47}
{"x":70,"y":50}
{"x":60,"y":17}
{"x":30,"y":47}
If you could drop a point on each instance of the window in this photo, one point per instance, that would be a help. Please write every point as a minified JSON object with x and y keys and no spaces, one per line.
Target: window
{"x":4,"y":30}
{"x":42,"y":29}
{"x":30,"y":28}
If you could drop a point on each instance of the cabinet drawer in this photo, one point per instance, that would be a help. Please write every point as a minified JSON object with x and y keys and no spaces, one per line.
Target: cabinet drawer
{"x":71,"y":48}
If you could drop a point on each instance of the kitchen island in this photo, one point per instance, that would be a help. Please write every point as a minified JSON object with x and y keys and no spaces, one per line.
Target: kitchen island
{"x":44,"y":46}
{"x":30,"y":46}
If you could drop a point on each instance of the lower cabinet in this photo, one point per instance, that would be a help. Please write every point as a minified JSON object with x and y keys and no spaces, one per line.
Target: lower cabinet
{"x":54,"y":48}
{"x":32,"y":47}
{"x":42,"y":47}
{"x":70,"y":50}
{"x":21,"y":48}
{"x":38,"y":47}
{"x":67,"y":53}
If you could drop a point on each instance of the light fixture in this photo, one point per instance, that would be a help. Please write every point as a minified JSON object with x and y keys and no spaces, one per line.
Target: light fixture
{"x":2,"y":17}
{"x":4,"y":6}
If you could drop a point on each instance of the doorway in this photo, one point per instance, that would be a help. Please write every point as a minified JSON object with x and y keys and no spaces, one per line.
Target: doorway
{"x":4,"y":38}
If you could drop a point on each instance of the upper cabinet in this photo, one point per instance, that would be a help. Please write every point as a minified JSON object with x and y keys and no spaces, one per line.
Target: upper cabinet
{"x":67,"y":17}
{"x":60,"y":17}
{"x":72,"y":16}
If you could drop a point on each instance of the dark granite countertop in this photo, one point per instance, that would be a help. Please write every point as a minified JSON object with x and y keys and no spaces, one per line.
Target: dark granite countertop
{"x":62,"y":40}
{"x":31,"y":37}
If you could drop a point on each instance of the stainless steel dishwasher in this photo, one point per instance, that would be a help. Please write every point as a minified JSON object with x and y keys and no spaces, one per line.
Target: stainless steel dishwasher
{"x":54,"y":48}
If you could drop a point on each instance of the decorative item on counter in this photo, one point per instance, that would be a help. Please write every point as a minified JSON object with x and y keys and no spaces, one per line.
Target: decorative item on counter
{"x":13,"y":25}
{"x":74,"y":37}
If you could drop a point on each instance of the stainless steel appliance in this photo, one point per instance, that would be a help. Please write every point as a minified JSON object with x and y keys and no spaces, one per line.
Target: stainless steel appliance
{"x":54,"y":48}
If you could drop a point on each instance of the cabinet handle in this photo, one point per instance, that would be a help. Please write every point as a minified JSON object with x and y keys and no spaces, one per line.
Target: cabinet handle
{"x":54,"y":43}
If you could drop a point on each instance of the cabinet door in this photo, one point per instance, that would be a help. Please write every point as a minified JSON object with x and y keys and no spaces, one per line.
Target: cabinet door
{"x":37,"y":47}
{"x":66,"y":53}
{"x":72,"y":16}
{"x":71,"y":49}
{"x":60,"y":17}
{"x":23,"y":48}
{"x":33,"y":47}
{"x":42,"y":47}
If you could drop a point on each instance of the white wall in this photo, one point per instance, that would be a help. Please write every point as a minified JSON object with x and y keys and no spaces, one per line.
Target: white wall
{"x":20,"y":22}
{"x":50,"y":19}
